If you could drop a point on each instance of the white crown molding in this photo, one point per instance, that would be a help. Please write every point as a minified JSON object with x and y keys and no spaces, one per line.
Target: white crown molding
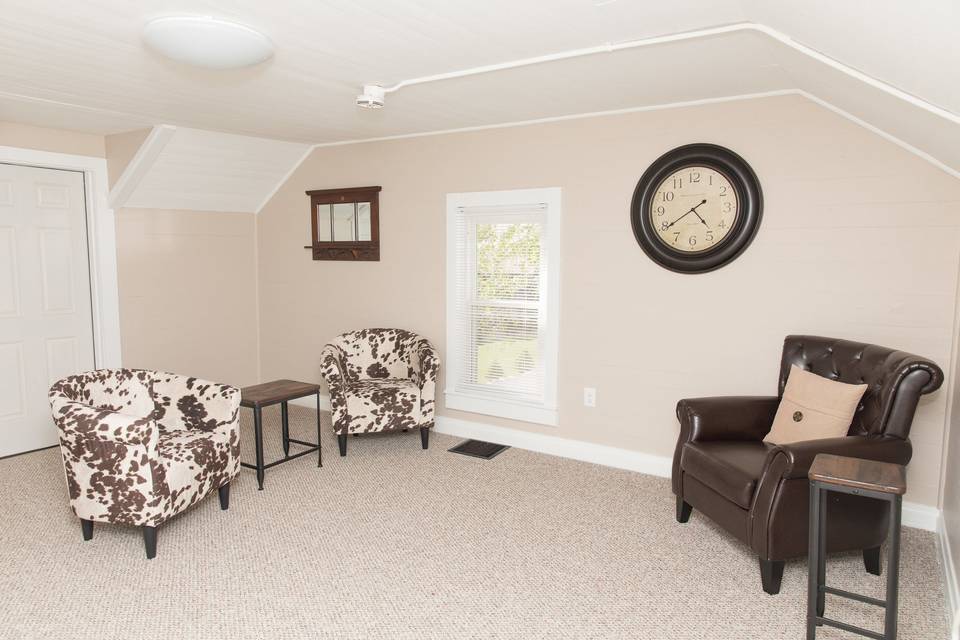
{"x":919,"y":516}
{"x":696,"y":34}
{"x":573,"y":116}
{"x":671,"y":105}
{"x":880,"y":132}
{"x":140,"y":165}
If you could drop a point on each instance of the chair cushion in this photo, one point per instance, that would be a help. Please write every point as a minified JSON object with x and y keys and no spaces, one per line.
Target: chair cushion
{"x":382,"y":404}
{"x":195,"y":463}
{"x":729,"y":468}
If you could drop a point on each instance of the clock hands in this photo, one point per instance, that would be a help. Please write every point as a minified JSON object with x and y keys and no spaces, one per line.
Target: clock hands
{"x":693,"y":211}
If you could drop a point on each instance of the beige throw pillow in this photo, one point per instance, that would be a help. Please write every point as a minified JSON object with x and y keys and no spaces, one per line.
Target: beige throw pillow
{"x":814,"y":407}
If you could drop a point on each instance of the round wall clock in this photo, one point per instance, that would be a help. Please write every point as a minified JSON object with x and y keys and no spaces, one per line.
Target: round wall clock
{"x":696,"y":208}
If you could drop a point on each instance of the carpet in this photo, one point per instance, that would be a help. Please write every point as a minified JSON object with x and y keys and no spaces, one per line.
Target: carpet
{"x":396,"y":542}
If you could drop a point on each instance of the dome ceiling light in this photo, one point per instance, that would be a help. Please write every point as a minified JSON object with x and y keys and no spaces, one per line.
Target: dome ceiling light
{"x":208,"y":42}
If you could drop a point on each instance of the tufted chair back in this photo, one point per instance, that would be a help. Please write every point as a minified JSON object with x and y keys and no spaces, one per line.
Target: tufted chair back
{"x":379,"y":353}
{"x":895,"y":380}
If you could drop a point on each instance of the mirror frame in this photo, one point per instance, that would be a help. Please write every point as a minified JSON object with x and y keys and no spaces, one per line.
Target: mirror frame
{"x":352,"y":249}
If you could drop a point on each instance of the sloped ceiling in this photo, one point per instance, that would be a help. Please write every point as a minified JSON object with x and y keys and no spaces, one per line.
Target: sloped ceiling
{"x":887,"y":64}
{"x":192,"y":169}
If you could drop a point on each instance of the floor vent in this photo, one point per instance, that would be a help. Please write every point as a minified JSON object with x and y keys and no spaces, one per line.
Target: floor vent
{"x":479,"y":449}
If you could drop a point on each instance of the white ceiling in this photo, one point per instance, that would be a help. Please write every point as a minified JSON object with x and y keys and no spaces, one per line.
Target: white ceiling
{"x":180,"y":168}
{"x":82,"y":65}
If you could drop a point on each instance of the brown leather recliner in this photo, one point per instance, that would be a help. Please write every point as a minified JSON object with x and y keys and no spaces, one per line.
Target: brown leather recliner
{"x":759,"y":492}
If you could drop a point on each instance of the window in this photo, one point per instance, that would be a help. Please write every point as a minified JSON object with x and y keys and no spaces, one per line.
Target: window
{"x":503,"y":284}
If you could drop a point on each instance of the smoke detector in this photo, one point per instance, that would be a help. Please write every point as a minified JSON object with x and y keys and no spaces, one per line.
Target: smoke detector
{"x":372,"y":97}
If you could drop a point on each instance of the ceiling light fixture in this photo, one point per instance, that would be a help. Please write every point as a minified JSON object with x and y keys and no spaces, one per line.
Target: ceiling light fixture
{"x":208,"y":42}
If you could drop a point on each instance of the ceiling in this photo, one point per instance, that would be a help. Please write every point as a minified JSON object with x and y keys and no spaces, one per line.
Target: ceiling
{"x":193,"y":169}
{"x":82,"y":66}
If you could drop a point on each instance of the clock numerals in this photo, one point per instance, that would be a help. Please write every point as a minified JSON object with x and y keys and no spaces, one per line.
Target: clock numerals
{"x":696,"y":208}
{"x":693,"y":209}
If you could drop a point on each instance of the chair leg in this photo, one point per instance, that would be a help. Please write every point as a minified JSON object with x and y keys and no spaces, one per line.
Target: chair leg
{"x":224,"y":496}
{"x":87,"y":527}
{"x":150,"y":541}
{"x":871,"y":560}
{"x":771,"y":575}
{"x":683,"y":510}
{"x":342,"y":443}
{"x":424,"y":437}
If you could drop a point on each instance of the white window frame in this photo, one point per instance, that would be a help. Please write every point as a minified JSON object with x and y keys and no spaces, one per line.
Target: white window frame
{"x":545,"y":413}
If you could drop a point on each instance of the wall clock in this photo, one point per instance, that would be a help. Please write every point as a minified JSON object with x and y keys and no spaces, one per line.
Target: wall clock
{"x":696,"y":208}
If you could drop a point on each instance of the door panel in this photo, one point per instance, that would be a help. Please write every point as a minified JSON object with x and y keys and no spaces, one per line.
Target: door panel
{"x":12,"y":391}
{"x":46,"y":329}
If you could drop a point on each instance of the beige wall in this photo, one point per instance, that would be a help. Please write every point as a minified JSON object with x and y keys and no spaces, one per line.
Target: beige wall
{"x":58,"y":140}
{"x":187,"y":293}
{"x":120,"y":149}
{"x":859,"y":239}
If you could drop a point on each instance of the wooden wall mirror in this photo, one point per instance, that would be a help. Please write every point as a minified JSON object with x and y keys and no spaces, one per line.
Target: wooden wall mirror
{"x":345,"y":223}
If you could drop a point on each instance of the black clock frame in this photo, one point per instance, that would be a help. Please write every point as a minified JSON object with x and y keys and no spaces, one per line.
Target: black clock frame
{"x":749,"y":199}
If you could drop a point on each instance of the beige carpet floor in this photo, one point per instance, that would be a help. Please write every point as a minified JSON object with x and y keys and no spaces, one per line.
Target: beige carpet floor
{"x":396,"y":542}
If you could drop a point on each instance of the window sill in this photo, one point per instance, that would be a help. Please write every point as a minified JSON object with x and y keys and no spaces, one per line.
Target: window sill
{"x":501,"y":409}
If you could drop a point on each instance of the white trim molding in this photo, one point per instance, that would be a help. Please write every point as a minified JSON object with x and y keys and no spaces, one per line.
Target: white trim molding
{"x":101,"y":239}
{"x":140,"y":165}
{"x":949,"y":570}
{"x":465,"y":213}
{"x":554,"y":446}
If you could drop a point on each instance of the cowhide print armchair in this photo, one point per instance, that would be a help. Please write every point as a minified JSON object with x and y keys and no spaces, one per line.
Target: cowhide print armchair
{"x":380,"y":380}
{"x":140,"y":446}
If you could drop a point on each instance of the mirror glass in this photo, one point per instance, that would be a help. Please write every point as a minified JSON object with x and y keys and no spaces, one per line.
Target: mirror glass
{"x":323,"y":223}
{"x":363,"y":221}
{"x":344,"y":222}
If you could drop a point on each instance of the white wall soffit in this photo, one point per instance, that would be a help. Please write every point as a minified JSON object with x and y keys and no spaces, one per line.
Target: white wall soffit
{"x":192,"y":169}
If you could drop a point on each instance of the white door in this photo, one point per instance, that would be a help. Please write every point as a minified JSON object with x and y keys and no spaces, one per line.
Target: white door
{"x":46,"y":327}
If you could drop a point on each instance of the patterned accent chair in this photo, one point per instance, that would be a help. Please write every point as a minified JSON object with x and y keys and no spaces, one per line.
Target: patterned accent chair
{"x":140,"y":446}
{"x":380,"y":380}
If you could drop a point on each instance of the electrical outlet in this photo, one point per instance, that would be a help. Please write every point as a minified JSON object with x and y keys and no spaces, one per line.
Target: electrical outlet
{"x":589,"y":397}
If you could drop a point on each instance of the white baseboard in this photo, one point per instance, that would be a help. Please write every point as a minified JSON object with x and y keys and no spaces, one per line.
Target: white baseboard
{"x":914,"y":515}
{"x":949,"y":569}
{"x":920,"y":516}
{"x":552,"y":445}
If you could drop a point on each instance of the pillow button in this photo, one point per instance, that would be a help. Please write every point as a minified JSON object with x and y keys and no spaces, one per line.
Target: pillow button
{"x":797,"y":416}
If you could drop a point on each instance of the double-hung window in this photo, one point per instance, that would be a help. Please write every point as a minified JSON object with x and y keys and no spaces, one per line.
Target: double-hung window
{"x":503,"y":285}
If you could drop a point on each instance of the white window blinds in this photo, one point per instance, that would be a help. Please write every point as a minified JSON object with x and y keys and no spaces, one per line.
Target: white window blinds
{"x":501,"y":315}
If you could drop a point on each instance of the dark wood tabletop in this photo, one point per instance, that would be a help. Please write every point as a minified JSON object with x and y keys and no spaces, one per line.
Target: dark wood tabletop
{"x":260,"y":395}
{"x":884,"y":477}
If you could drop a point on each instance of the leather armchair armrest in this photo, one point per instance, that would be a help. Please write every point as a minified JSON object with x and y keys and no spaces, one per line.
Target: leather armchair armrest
{"x":726,"y":418}
{"x":798,"y":456}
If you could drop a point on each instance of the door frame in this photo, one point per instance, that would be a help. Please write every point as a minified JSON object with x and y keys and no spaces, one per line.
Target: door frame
{"x":101,"y":243}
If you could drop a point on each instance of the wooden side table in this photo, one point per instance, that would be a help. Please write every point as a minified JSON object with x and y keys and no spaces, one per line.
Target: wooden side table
{"x":278,"y":391}
{"x":871,"y":479}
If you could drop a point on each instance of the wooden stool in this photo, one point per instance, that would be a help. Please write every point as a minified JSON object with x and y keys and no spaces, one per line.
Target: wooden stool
{"x":880,"y":480}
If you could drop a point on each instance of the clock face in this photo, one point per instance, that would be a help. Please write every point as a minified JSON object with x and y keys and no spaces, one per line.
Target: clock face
{"x":693,"y":209}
